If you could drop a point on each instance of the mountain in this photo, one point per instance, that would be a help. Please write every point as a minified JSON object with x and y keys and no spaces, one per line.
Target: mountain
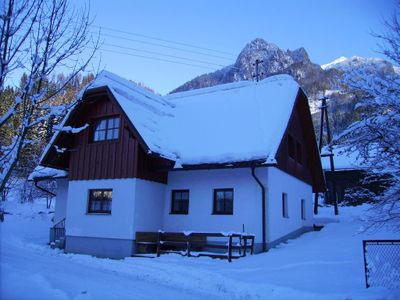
{"x":275,"y":61}
{"x":316,"y":80}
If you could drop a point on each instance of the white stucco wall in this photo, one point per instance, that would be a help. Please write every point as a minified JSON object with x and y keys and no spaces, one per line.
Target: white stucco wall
{"x":149,"y":205}
{"x":119,"y":224}
{"x":280,"y":182}
{"x":201,"y":183}
{"x":61,"y":200}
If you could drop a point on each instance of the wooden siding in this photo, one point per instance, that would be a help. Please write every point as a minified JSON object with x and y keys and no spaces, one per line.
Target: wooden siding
{"x":106,"y":159}
{"x":300,"y":127}
{"x":149,"y":167}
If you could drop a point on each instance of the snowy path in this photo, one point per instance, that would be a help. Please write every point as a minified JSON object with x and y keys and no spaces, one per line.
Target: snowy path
{"x":319,"y":265}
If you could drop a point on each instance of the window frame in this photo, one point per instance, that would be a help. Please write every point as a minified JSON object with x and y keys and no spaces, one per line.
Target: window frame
{"x":285,"y":206}
{"x":96,"y":121}
{"x":291,"y":147}
{"x":98,"y":212}
{"x":303,"y":209}
{"x":299,"y":152}
{"x":224,"y":212}
{"x":173,"y":210}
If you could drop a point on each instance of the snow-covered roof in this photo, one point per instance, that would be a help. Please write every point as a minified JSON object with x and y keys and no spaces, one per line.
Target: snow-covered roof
{"x":239,"y":121}
{"x":150,"y":113}
{"x":45,"y":172}
{"x":343,"y":160}
{"x":235,"y":122}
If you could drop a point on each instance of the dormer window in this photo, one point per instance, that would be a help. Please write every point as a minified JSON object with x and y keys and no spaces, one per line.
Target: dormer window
{"x":106,"y":129}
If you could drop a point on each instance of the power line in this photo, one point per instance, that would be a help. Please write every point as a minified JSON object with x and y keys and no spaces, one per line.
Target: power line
{"x":163,"y":40}
{"x":166,"y":55}
{"x":160,"y":45}
{"x":159,"y":59}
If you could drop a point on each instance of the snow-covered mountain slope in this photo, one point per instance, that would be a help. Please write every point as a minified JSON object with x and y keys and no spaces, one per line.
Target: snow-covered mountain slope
{"x":346,"y":64}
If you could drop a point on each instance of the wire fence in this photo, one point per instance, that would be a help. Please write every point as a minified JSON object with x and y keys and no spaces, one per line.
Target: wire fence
{"x":382,"y":263}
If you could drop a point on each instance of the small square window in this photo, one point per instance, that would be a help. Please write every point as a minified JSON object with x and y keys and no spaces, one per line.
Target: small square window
{"x":106,"y":129}
{"x":223,"y":202}
{"x":180,"y":202}
{"x":285,"y":210}
{"x":100,"y":201}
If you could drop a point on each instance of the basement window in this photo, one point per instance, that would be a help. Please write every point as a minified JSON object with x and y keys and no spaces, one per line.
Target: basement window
{"x":285,"y":210}
{"x":106,"y":129}
{"x":180,"y":202}
{"x":100,"y":201}
{"x":223,"y":202}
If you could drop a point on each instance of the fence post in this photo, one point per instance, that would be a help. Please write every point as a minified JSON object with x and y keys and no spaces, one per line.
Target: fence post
{"x":365,"y":263}
{"x":188,"y":242}
{"x":230,"y":249}
{"x":158,"y":244}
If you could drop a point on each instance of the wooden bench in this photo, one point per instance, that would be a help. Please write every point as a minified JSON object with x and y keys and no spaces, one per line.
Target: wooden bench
{"x":146,"y":242}
{"x":185,"y":243}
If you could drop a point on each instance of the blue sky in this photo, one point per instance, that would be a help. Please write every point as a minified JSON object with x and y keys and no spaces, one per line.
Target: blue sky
{"x":326,"y":29}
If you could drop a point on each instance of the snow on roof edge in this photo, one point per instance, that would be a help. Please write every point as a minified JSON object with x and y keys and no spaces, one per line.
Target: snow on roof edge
{"x":46,"y":172}
{"x":228,"y":86}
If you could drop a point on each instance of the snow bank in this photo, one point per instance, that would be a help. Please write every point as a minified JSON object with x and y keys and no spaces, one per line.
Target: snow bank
{"x":318,"y":265}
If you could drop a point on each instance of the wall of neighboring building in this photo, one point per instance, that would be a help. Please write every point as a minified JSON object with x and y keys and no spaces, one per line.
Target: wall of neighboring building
{"x":201,"y":184}
{"x":107,"y":235}
{"x":281,"y":228}
{"x":61,"y":200}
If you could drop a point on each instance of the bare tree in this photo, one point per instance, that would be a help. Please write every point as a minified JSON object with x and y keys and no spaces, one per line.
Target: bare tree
{"x":376,"y":137}
{"x":38,"y":37}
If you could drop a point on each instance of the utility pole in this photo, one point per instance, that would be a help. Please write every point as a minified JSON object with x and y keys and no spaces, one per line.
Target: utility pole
{"x":257,"y":75}
{"x":325,"y":119}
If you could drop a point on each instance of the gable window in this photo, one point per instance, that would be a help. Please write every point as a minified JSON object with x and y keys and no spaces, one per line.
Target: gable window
{"x":291,"y":147}
{"x":223,"y":202}
{"x":299,"y":153}
{"x":100,"y":201}
{"x":106,"y":129}
{"x":180,"y":202}
{"x":303,"y":209}
{"x":285,"y":211}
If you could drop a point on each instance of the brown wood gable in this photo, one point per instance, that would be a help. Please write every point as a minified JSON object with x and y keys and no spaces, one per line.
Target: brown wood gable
{"x":304,"y":164}
{"x":125,"y":157}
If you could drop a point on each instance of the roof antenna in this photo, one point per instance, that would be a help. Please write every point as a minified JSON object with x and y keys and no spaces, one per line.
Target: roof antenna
{"x":257,"y":75}
{"x":325,"y":119}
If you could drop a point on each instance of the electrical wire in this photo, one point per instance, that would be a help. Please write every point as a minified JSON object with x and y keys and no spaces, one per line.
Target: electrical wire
{"x":158,"y":59}
{"x":163,"y":54}
{"x":160,"y":45}
{"x":164,"y":40}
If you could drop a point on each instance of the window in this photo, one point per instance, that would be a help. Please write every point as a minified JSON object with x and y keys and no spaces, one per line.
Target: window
{"x":106,"y":129}
{"x":291,"y":147}
{"x":295,"y":150}
{"x":299,"y":153}
{"x":285,"y":213}
{"x":180,"y":202}
{"x":303,"y":209}
{"x":223,"y":202}
{"x":100,"y":201}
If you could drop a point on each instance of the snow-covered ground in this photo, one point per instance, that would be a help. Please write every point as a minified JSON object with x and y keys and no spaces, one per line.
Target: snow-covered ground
{"x":319,"y":265}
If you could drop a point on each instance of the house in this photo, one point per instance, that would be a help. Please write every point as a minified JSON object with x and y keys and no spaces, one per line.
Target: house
{"x":350,"y":173}
{"x":231,"y":158}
